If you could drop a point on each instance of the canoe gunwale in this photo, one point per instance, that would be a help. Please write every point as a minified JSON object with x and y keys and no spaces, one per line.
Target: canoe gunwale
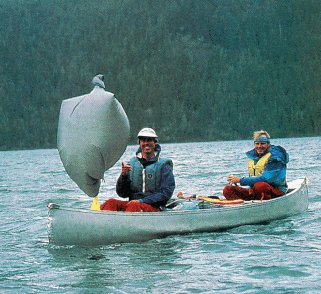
{"x":52,"y":206}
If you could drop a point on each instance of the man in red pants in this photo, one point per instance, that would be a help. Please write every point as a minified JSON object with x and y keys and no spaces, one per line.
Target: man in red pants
{"x":267,"y":172}
{"x":147,"y":181}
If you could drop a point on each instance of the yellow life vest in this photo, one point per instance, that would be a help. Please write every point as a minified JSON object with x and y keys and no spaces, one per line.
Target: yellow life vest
{"x":258,"y":168}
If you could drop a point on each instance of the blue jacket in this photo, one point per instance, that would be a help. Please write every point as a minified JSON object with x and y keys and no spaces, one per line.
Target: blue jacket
{"x":274,"y":171}
{"x":165,"y":183}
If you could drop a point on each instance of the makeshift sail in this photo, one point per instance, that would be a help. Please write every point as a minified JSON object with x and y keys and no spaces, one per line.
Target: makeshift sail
{"x":93,"y":133}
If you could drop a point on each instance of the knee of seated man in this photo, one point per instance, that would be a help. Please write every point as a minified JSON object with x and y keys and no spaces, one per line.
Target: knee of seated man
{"x":133,"y":207}
{"x":109,"y":204}
{"x":227,"y":190}
{"x":261,"y":187}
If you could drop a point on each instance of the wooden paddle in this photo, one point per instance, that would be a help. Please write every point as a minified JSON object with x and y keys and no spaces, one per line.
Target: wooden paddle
{"x":211,"y":198}
{"x":221,"y":201}
{"x":195,"y":197}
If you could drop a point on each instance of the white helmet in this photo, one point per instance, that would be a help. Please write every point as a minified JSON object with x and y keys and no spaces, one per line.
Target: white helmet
{"x":147,"y":132}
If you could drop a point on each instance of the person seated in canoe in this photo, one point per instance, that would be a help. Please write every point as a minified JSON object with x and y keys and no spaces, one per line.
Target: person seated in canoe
{"x":267,"y":172}
{"x":148,"y":179}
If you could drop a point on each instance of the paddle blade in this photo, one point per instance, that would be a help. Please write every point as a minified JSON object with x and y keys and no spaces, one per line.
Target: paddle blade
{"x":95,"y":204}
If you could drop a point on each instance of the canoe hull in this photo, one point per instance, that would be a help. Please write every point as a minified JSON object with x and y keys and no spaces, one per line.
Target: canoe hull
{"x":69,"y":226}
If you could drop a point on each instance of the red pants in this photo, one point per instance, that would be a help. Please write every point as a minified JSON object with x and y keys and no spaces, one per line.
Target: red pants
{"x":260,"y":191}
{"x":127,"y":206}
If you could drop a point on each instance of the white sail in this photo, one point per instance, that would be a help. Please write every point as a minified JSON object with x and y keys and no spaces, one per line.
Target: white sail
{"x":93,"y":133}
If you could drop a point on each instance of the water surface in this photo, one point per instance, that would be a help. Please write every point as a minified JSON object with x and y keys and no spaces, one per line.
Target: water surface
{"x":280,"y":257}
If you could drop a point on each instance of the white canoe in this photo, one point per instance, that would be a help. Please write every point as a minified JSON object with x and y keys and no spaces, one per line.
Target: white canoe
{"x":72,"y":226}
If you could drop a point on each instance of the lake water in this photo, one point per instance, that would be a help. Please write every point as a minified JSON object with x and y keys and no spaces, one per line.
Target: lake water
{"x":281,"y":257}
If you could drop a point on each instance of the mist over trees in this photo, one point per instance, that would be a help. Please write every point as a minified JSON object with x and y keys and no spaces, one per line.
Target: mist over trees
{"x":193,"y":70}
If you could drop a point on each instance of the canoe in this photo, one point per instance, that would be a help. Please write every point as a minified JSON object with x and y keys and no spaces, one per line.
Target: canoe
{"x":84,"y":227}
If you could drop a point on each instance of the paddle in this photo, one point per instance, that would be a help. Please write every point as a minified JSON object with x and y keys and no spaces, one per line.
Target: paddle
{"x":195,"y":197}
{"x":95,"y":204}
{"x":222,"y":202}
{"x":210,"y":198}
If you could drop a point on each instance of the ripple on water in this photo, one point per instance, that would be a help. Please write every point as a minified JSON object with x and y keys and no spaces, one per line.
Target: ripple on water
{"x":279,"y":257}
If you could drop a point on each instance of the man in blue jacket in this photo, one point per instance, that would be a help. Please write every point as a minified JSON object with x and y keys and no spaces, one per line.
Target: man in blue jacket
{"x":147,"y":181}
{"x":267,"y":172}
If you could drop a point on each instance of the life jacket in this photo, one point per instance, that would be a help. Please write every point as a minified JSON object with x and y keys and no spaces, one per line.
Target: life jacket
{"x":258,"y":168}
{"x":147,"y":179}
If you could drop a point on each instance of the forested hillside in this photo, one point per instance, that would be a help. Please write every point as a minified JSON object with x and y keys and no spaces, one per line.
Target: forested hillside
{"x":194,"y":70}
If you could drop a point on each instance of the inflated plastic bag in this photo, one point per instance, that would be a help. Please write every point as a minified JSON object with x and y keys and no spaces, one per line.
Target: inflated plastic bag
{"x":93,"y":133}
